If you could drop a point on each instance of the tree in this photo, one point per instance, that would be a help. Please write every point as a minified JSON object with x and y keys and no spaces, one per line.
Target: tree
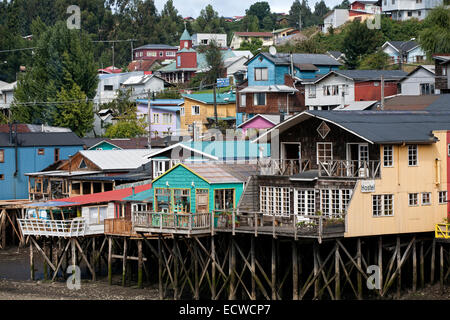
{"x":63,"y":59}
{"x":172,"y":22}
{"x":213,"y":56}
{"x":261,"y":10}
{"x":359,"y":41}
{"x":320,"y":9}
{"x":125,"y":129}
{"x":301,"y":10}
{"x":74,"y":111}
{"x":435,"y":37}
{"x":254,"y":45}
{"x":378,"y":60}
{"x":345,"y":4}
{"x":208,"y":21}
{"x":250,"y":23}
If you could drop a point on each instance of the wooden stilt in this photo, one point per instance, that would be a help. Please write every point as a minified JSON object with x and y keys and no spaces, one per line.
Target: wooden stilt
{"x":399,"y":272}
{"x":294,"y":271}
{"x":140,"y":262}
{"x":337,"y":283}
{"x":433,"y":260}
{"x":83,"y":257}
{"x":124,"y":262}
{"x":380,"y":262}
{"x":31,"y":261}
{"x":175,"y":271}
{"x":3,"y":228}
{"x":232,"y":269}
{"x":359,"y":276}
{"x":196,"y":271}
{"x":253,"y":266}
{"x":274,"y":270}
{"x":93,"y":256}
{"x":45,"y":251}
{"x":414,"y":266}
{"x":315,"y":270}
{"x":213,"y":269}
{"x":110,"y":260}
{"x":74,"y":255}
{"x":422,"y":266}
{"x":160,"y":270}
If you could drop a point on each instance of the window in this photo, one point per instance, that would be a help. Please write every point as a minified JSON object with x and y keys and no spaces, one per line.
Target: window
{"x":426,"y":88}
{"x":204,"y":41}
{"x":448,"y":152}
{"x":2,"y":155}
{"x":56,"y":154}
{"x":141,"y":53}
{"x":312,"y":91}
{"x":345,"y":88}
{"x":426,"y":198}
{"x":275,"y":200}
{"x":135,"y":207}
{"x":41,"y":152}
{"x":385,"y":2}
{"x":178,"y":61}
{"x":388,"y":156}
{"x":413,"y":199}
{"x":161,"y":53}
{"x":167,"y":118}
{"x":108,"y":87}
{"x":332,"y":90}
{"x":444,"y":71}
{"x":170,"y":54}
{"x":442,"y":197}
{"x":418,"y":1}
{"x":261,"y":74}
{"x":2,"y":176}
{"x":181,"y":200}
{"x":409,"y":13}
{"x":182,"y":111}
{"x":82,"y":164}
{"x":243,"y":101}
{"x":324,"y":151}
{"x":412,"y":155}
{"x":419,"y":13}
{"x":223,"y":199}
{"x":162,"y":199}
{"x":259,"y":99}
{"x":156,"y":118}
{"x":195,"y":110}
{"x":393,"y":1}
{"x":97,"y":214}
{"x":334,"y":202}
{"x":382,"y":205}
{"x":305,"y":202}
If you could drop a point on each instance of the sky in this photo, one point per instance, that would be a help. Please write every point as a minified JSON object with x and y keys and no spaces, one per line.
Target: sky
{"x":229,"y":8}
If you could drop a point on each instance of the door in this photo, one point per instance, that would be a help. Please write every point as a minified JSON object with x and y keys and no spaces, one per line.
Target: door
{"x":357,"y":158}
{"x":202,"y":200}
{"x":291,"y":155}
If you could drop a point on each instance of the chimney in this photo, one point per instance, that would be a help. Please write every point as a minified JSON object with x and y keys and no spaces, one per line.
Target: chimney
{"x":132,"y":189}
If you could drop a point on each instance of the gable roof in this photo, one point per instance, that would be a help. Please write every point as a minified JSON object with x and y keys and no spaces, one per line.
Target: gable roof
{"x":150,"y":155}
{"x":429,"y":68}
{"x":401,"y":45}
{"x":156,"y":46}
{"x":394,"y":127}
{"x":298,"y":58}
{"x":364,"y":75}
{"x":117,"y":159}
{"x":208,"y":98}
{"x":253,"y":34}
{"x":409,"y":102}
{"x":122,"y":143}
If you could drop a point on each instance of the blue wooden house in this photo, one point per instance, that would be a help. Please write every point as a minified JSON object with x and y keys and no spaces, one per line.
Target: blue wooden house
{"x":185,"y":196}
{"x":275,"y":83}
{"x":25,"y":152}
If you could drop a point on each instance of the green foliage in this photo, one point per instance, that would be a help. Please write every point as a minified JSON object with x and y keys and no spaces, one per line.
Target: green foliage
{"x":76,"y":113}
{"x":261,"y":10}
{"x":208,"y":21}
{"x":173,"y":24}
{"x":125,"y":129}
{"x":250,"y":23}
{"x":122,"y":105}
{"x":253,"y":45}
{"x":345,"y":4}
{"x":302,"y":9}
{"x":435,"y":37}
{"x":378,"y":60}
{"x":169,"y":94}
{"x":310,"y":45}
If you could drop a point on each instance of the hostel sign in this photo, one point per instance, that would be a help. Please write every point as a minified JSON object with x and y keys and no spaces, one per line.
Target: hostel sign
{"x":367,"y":185}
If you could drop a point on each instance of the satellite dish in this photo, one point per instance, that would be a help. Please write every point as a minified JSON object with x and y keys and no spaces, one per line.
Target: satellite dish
{"x":272,"y":50}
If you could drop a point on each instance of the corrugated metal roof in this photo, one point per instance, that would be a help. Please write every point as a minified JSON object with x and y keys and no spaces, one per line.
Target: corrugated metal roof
{"x":365,"y":75}
{"x":117,"y":159}
{"x":38,"y":139}
{"x":213,"y":173}
{"x":208,"y":98}
{"x":271,"y":88}
{"x":300,"y":58}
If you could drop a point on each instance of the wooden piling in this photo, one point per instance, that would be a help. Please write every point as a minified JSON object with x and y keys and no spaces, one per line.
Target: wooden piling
{"x":253,"y":266}
{"x":399,"y":268}
{"x":414,"y":266}
{"x":337,"y":284}
{"x":422,"y":266}
{"x":31,"y":262}
{"x":294,"y":270}
{"x":160,"y":270}
{"x":315,"y":270}
{"x":175,"y":270}
{"x":45,"y":250}
{"x":213,"y":269}
{"x":232,"y":270}
{"x":433,"y":258}
{"x":441,"y":267}
{"x":110,"y":260}
{"x":274,"y":270}
{"x":124,"y":262}
{"x":380,"y":262}
{"x":196,"y":271}
{"x":359,"y":276}
{"x":140,"y":262}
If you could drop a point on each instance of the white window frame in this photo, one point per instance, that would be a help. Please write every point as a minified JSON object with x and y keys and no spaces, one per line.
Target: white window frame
{"x":337,"y":201}
{"x":181,"y":111}
{"x":391,"y":155}
{"x":442,"y":196}
{"x":193,"y":110}
{"x":382,"y":205}
{"x":275,"y":201}
{"x":98,"y":219}
{"x":312,"y":91}
{"x":416,"y":155}
{"x":170,"y":54}
{"x":422,"y":198}
{"x":155,"y":118}
{"x":317,"y":150}
{"x":304,"y":202}
{"x":243,"y":100}
{"x":411,"y":197}
{"x":261,"y":74}
{"x":167,"y":115}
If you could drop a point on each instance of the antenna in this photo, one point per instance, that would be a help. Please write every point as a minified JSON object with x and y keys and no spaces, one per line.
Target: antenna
{"x":272,"y":50}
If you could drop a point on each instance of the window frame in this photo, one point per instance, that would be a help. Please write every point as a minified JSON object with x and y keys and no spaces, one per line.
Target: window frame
{"x":440,"y":194}
{"x":256,"y":101}
{"x":416,"y":162}
{"x":317,"y":150}
{"x":429,"y":199}
{"x":56,"y":154}
{"x":41,"y":151}
{"x":382,"y":198}
{"x":414,"y":196}
{"x":193,"y":110}
{"x":391,"y":155}
{"x":259,"y":74}
{"x":243,"y":99}
{"x":2,"y":155}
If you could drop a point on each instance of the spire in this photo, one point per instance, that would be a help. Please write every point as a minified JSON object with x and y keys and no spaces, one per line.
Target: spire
{"x":185,"y":35}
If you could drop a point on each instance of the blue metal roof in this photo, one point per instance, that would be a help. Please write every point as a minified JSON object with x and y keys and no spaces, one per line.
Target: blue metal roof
{"x":231,"y":150}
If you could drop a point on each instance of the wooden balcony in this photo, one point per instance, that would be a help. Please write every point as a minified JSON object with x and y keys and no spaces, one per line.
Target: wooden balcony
{"x":282,"y":167}
{"x":352,"y":169}
{"x":175,"y":223}
{"x":121,"y":227}
{"x":53,"y":228}
{"x":297,"y":226}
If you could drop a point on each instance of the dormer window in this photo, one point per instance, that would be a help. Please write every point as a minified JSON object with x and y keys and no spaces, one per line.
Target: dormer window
{"x":82,"y":165}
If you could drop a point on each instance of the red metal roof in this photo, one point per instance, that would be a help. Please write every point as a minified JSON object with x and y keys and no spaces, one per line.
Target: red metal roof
{"x":108,"y":196}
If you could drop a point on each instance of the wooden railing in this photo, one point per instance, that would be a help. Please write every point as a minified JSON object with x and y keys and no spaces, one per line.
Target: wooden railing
{"x":118,"y":226}
{"x":442,"y":231}
{"x":288,"y":225}
{"x":53,"y":228}
{"x":282,"y":166}
{"x":350,"y":169}
{"x":185,"y":222}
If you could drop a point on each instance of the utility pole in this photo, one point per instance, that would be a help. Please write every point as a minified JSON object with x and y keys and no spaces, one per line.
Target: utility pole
{"x":215,"y":106}
{"x":299,"y":19}
{"x":149,"y":121}
{"x":382,"y":92}
{"x":113,"y":55}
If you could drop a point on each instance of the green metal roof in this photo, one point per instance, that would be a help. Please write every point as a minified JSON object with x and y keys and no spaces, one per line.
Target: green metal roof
{"x":144,"y":196}
{"x":185,"y":35}
{"x":208,"y":98}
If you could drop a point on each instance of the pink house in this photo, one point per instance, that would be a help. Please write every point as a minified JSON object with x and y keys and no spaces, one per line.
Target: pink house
{"x":260,"y":121}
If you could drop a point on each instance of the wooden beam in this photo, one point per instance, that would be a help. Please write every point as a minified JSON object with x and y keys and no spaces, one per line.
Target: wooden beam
{"x":43,"y":254}
{"x":60,"y":260}
{"x":422,"y":266}
{"x":358,"y":275}
{"x":433,"y":260}
{"x":337,"y":284}
{"x":140,"y":263}
{"x":399,"y":276}
{"x":124,"y":261}
{"x":31,"y":262}
{"x":232,"y":269}
{"x":110,"y":260}
{"x":252,"y":265}
{"x":441,"y":267}
{"x":274,"y":269}
{"x":414,"y":266}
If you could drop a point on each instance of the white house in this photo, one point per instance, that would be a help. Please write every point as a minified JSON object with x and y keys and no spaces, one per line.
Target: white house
{"x":6,"y":95}
{"x":334,"y":18}
{"x":235,"y":65}
{"x":108,"y":85}
{"x":142,"y":84}
{"x":420,"y":81}
{"x":205,"y":38}
{"x":407,"y":9}
{"x":404,"y":51}
{"x":239,"y":37}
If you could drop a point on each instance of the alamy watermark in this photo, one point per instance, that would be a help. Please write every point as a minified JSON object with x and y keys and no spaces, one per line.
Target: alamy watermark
{"x":74,"y":281}
{"x":74,"y":21}
{"x":374,"y":279}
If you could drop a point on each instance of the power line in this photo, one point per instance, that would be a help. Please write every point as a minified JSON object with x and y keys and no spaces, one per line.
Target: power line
{"x":13,"y":50}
